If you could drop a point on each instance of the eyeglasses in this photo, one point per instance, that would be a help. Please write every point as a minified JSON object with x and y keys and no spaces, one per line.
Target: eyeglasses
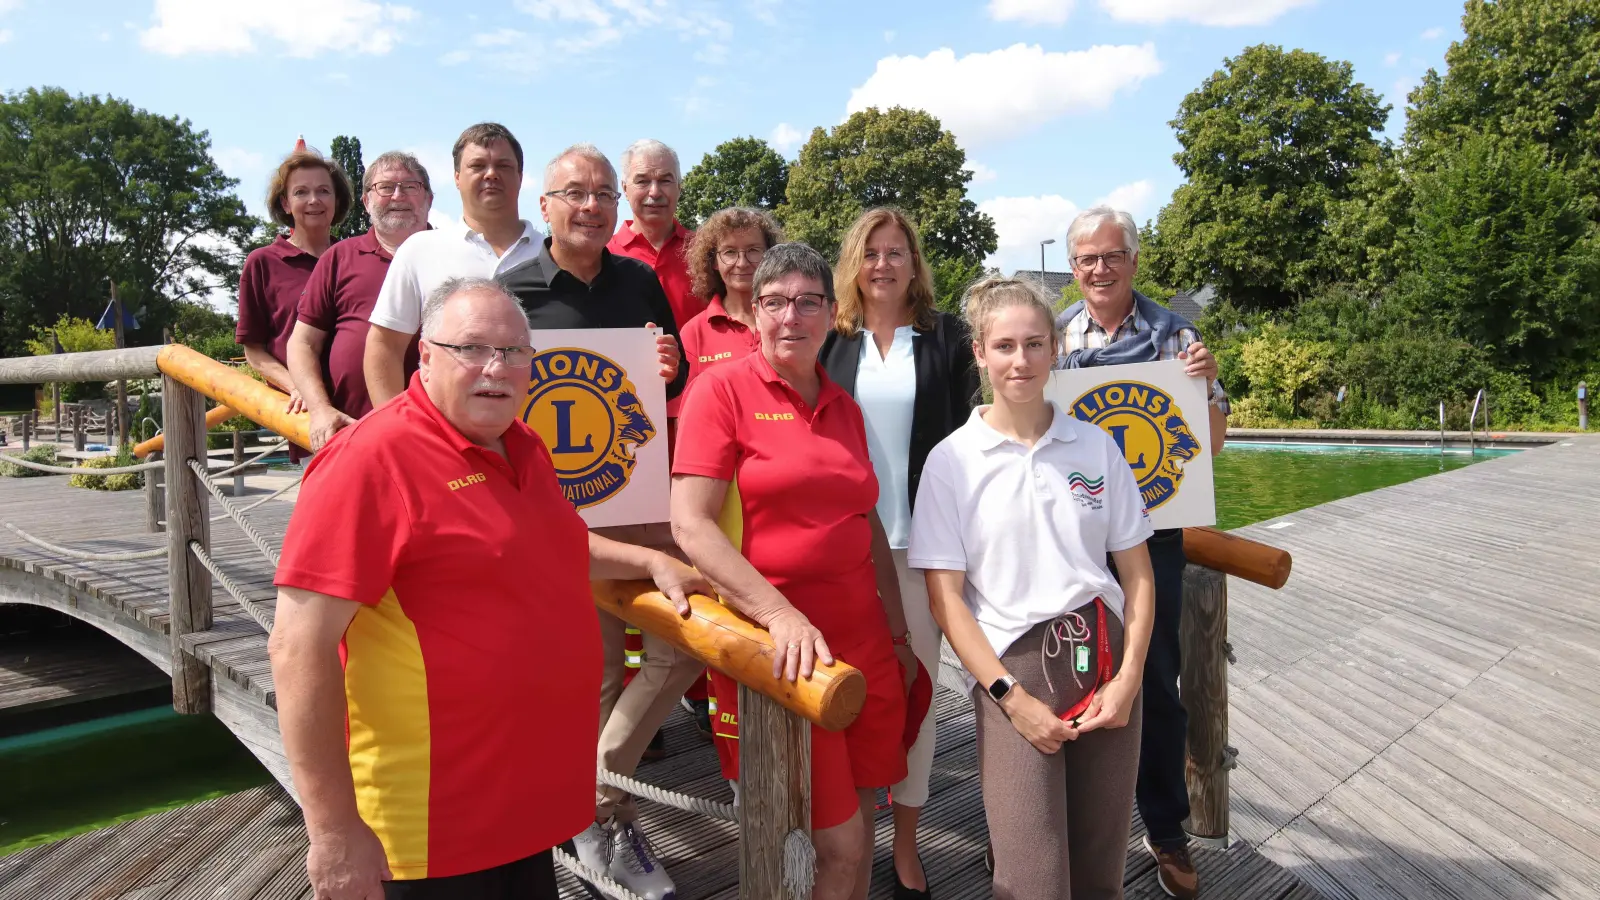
{"x":390,"y":188}
{"x":895,"y":258}
{"x":804,"y":304}
{"x":1113,"y":260}
{"x":604,"y":196}
{"x":480,"y":355}
{"x":732,"y":257}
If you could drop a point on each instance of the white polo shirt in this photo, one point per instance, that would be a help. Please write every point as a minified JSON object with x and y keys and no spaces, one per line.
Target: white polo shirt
{"x":429,"y":258}
{"x":1030,"y":527}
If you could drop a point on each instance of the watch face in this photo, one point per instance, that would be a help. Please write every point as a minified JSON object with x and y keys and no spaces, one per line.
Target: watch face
{"x":1001,"y":687}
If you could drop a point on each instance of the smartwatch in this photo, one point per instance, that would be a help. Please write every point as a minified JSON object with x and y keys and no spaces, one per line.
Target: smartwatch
{"x":1001,"y":687}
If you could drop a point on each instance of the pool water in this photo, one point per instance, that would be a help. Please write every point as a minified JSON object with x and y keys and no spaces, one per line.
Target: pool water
{"x":1263,"y":481}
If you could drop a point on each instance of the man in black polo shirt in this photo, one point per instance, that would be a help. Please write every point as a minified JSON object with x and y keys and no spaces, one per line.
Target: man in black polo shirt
{"x":575,"y":282}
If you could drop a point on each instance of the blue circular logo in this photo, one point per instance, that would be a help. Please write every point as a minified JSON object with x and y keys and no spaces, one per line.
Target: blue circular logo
{"x":1149,"y":428}
{"x":586,"y":410}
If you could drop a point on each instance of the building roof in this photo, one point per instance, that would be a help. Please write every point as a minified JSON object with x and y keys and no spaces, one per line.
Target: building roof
{"x":1192,"y":304}
{"x":1053,"y":281}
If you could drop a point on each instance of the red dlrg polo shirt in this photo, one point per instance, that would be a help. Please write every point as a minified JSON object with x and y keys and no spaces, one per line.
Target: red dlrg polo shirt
{"x":672,"y":269}
{"x":713,"y":338}
{"x":473,"y":574}
{"x":802,"y":487}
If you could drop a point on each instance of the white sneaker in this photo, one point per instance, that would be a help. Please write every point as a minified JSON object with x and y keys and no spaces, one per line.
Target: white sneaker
{"x":634,"y":864}
{"x":593,"y":846}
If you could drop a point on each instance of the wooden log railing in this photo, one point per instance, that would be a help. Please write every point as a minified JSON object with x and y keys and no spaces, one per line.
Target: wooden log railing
{"x":776,"y":739}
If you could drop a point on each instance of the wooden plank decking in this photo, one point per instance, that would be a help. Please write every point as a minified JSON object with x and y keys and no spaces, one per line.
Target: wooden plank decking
{"x":1416,"y":712}
{"x":41,"y":674}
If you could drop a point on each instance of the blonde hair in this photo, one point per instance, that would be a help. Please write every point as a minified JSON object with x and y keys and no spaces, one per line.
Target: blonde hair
{"x":991,"y":294}
{"x":701,"y":254}
{"x":850,"y":316}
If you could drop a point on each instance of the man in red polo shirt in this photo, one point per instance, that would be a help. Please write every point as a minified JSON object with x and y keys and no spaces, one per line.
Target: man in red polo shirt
{"x":407,"y":644}
{"x":654,"y":236}
{"x":330,"y":336}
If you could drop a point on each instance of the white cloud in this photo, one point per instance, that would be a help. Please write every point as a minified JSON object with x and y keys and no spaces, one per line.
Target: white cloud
{"x":240,"y":163}
{"x":980,"y":172}
{"x":786,"y":139}
{"x":888,"y":36}
{"x":578,"y":27}
{"x":990,"y":96}
{"x":1033,"y":12}
{"x":5,"y":35}
{"x":9,"y":5}
{"x":1392,"y":59}
{"x":506,"y":49}
{"x":1223,"y":13}
{"x":1021,"y":223}
{"x":1400,"y":90}
{"x":302,"y":28}
{"x":1433,"y":34}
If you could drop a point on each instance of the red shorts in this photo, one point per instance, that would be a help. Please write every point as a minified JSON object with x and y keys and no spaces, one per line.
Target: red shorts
{"x":871,"y":753}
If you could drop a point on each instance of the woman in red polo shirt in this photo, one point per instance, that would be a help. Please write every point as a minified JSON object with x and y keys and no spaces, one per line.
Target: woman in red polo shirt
{"x":309,"y":195}
{"x":722,"y":262}
{"x":773,"y":451}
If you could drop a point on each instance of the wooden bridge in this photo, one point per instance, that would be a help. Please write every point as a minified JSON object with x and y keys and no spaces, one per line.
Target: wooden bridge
{"x":1431,"y":664}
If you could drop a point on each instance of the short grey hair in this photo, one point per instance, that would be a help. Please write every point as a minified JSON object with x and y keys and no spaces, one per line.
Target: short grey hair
{"x":646,"y":148}
{"x":795,"y":258}
{"x":1095,"y":216}
{"x":433,"y":307}
{"x":401,"y":159}
{"x":583,"y":151}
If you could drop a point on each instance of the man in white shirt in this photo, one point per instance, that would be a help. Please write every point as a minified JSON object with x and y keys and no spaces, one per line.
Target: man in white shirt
{"x":495,"y":237}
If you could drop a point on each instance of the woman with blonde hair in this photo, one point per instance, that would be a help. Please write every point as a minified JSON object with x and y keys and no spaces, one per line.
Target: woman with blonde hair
{"x":1016,"y":515}
{"x":910,"y":368}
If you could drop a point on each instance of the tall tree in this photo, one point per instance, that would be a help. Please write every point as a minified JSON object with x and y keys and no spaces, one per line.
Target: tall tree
{"x":901,"y":157}
{"x":1269,"y":142}
{"x":1505,"y":256}
{"x":347,"y":153}
{"x":93,"y":190}
{"x":742,"y":172}
{"x":1525,"y":69}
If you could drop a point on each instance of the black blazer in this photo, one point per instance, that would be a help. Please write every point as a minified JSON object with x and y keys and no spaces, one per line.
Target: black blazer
{"x":947,"y":383}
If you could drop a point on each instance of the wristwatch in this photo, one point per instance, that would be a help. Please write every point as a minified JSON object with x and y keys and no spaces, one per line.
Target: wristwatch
{"x":1001,"y":687}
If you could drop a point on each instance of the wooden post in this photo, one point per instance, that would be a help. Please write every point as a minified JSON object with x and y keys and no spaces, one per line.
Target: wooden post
{"x":238,"y":457}
{"x":109,"y":422}
{"x":188,"y":583}
{"x":80,"y":434}
{"x":122,"y":383}
{"x":1204,"y":685}
{"x":27,"y":430}
{"x":155,"y":496}
{"x":774,"y":792}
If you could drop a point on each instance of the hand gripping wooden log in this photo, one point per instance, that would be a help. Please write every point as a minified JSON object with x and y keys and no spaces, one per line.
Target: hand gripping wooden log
{"x":215,"y":417}
{"x":832,"y":697}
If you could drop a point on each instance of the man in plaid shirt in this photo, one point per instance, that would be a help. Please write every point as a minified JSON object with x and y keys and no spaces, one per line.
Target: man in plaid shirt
{"x":1115,"y":325}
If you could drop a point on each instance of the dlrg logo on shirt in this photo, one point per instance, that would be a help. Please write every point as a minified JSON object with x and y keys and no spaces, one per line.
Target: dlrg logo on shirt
{"x":1149,"y":428}
{"x":774,"y":417}
{"x":586,"y":410}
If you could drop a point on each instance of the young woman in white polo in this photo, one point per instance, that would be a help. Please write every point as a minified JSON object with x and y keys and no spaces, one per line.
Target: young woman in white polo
{"x":1015,"y":517}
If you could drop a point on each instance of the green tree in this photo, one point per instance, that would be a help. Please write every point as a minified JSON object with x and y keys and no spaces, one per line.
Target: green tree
{"x":94,"y":190}
{"x":902,"y":158}
{"x":1280,"y":365}
{"x":1504,"y":254}
{"x":1269,"y":142}
{"x":75,"y":336}
{"x":741,"y":172}
{"x":346,"y":152}
{"x":1367,"y":236}
{"x":1525,"y":69}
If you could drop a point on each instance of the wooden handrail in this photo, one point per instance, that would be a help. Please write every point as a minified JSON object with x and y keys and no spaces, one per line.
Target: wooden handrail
{"x":1238,"y":556}
{"x":256,"y":401}
{"x":215,"y":417}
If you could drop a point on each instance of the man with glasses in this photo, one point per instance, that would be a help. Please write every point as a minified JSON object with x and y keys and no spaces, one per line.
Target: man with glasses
{"x":576,"y":282}
{"x":493,"y":238}
{"x":405,"y":650}
{"x":1116,"y":325}
{"x":651,"y":181}
{"x":329,"y":340}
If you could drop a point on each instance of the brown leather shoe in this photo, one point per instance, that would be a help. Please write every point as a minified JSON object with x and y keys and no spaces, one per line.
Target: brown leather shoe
{"x":1174,"y":871}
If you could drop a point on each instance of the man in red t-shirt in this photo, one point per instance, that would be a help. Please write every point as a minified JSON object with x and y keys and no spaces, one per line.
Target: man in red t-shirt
{"x":433,"y":579}
{"x":330,"y":334}
{"x":652,"y":183}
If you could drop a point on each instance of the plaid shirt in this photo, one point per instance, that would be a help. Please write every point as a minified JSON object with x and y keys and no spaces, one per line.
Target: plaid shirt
{"x":1084,"y":333}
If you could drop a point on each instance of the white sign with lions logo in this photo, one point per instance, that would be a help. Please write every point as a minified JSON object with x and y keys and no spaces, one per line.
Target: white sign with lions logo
{"x":596,"y":397}
{"x":1160,"y":419}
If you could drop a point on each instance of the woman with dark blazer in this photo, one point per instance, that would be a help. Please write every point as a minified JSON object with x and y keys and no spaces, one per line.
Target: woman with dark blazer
{"x":911,"y":369}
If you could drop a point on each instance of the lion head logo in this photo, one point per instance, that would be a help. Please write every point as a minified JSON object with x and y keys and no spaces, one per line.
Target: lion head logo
{"x":591,"y":419}
{"x":1151,"y":430}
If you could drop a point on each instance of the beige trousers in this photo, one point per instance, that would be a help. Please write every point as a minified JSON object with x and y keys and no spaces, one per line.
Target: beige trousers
{"x":913,"y":791}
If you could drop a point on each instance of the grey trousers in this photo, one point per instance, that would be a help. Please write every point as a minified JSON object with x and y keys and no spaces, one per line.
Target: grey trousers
{"x":1059,"y":823}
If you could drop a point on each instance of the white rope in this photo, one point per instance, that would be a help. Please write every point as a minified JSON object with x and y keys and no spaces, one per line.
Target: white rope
{"x":601,"y":881}
{"x":253,"y":608}
{"x":699,"y":805}
{"x":233,"y":513}
{"x":251,"y":461}
{"x":78,"y":470}
{"x":123,"y":556}
{"x":799,"y":865}
{"x":272,"y":496}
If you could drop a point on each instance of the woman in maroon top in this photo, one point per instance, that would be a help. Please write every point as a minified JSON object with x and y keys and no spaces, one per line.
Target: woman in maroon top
{"x":309,"y":195}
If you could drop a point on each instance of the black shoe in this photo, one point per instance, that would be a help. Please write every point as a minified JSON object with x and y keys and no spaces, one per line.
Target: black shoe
{"x":901,"y":892}
{"x":657,"y":749}
{"x":700,"y":712}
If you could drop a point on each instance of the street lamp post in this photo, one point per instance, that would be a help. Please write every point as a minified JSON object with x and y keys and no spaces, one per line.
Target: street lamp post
{"x":1041,"y":258}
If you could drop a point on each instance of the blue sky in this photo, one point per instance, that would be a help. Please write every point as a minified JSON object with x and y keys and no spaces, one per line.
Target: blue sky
{"x":1058,"y":103}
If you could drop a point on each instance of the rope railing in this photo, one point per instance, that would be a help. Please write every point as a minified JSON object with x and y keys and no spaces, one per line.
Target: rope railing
{"x":711,"y":809}
{"x":78,"y":470}
{"x":253,"y":608}
{"x":237,"y":467}
{"x":233,"y":513}
{"x":87,"y":555}
{"x":272,"y":496}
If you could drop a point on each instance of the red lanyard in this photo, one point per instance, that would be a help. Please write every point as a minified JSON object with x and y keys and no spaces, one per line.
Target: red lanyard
{"x":1104,"y":670}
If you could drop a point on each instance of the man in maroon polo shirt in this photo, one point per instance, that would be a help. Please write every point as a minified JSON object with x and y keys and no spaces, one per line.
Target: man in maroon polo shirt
{"x":330,"y":338}
{"x":654,"y":236}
